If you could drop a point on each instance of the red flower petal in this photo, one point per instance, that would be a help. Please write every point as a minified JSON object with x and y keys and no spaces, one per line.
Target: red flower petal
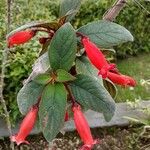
{"x":96,"y":57}
{"x":83,"y":128}
{"x":26,"y":126}
{"x":121,"y":79}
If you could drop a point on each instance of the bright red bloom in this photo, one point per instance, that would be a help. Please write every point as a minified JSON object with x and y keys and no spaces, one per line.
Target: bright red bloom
{"x":83,"y":129}
{"x":26,"y":126}
{"x":20,"y":37}
{"x":121,"y":79}
{"x":96,"y":57}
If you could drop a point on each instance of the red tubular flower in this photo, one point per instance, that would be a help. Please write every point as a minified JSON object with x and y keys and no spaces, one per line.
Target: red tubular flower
{"x":26,"y":126}
{"x":121,"y":79}
{"x":83,"y":129}
{"x":96,"y":57}
{"x":20,"y":37}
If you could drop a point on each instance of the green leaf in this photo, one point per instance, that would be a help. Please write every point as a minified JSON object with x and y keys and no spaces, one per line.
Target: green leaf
{"x":67,"y":6}
{"x":28,"y":96}
{"x":42,"y":78}
{"x":52,"y":110}
{"x":63,"y":76}
{"x":110,"y":87}
{"x":92,"y":95}
{"x":106,"y":34}
{"x":62,"y":48}
{"x":83,"y":66}
{"x":35,"y":24}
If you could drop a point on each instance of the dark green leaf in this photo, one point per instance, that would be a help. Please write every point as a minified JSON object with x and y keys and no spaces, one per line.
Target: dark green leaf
{"x":83,"y":66}
{"x":63,"y":76}
{"x":42,"y":78}
{"x":110,"y":87}
{"x":52,"y":110}
{"x":35,"y":24}
{"x":106,"y":34}
{"x":67,"y":6}
{"x":28,"y":96}
{"x":89,"y":93}
{"x":62,"y":48}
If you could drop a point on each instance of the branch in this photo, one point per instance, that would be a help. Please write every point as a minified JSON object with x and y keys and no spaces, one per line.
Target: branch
{"x":113,"y":12}
{"x":3,"y":70}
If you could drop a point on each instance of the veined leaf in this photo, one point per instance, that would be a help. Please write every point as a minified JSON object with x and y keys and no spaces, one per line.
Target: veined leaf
{"x":52,"y":110}
{"x":106,"y":34}
{"x":62,"y":48}
{"x":83,"y":66}
{"x":28,"y":96}
{"x":92,"y":95}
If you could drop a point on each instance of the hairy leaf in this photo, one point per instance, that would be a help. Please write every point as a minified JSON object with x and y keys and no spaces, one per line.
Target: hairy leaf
{"x":106,"y":34}
{"x":62,"y":48}
{"x":83,"y":66}
{"x":92,"y":95}
{"x":28,"y":96}
{"x":52,"y":110}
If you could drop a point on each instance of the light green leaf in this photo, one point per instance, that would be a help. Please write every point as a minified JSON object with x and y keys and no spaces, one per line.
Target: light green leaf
{"x":42,"y":78}
{"x":63,"y":76}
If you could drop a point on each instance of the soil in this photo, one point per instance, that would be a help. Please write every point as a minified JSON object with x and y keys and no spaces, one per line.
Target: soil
{"x":129,"y":138}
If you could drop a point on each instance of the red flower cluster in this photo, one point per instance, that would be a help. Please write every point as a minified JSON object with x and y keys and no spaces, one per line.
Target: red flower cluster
{"x":20,"y":37}
{"x":105,"y":69}
{"x":26,"y":126}
{"x":83,"y":129}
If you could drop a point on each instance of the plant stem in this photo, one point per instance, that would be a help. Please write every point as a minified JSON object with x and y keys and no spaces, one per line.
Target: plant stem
{"x":70,"y":94}
{"x":113,"y":12}
{"x":3,"y":70}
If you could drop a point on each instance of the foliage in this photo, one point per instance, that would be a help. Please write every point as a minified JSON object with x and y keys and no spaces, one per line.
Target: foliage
{"x":62,"y":47}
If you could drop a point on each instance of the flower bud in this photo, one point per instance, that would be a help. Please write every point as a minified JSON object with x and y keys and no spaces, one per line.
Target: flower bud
{"x":20,"y":37}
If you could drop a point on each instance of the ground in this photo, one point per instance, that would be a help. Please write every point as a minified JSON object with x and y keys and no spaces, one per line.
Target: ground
{"x":114,"y":138}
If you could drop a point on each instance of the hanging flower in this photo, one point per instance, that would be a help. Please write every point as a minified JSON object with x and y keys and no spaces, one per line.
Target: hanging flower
{"x":96,"y":57}
{"x":83,"y":129}
{"x":20,"y":37}
{"x":26,"y":126}
{"x":121,"y":79}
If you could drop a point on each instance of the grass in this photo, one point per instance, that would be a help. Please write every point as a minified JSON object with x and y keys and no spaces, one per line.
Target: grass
{"x":139,"y":68}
